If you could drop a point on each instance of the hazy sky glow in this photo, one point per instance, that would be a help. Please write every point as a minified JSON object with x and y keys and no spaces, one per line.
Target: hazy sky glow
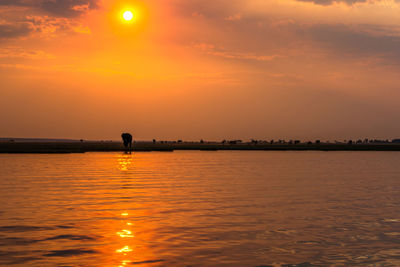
{"x":200,"y":69}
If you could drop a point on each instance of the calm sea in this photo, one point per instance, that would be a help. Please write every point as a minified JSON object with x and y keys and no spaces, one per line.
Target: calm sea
{"x":201,"y":209}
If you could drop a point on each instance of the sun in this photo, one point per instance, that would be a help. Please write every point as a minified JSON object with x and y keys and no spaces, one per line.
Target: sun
{"x":128,"y":15}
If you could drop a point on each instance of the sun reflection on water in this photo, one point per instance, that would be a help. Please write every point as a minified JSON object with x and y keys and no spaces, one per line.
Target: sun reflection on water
{"x":125,"y":233}
{"x":125,"y":249}
{"x":124,"y":162}
{"x":124,"y":263}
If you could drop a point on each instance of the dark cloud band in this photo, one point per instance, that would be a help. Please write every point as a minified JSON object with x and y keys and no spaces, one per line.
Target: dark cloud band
{"x":57,"y":8}
{"x":9,"y":31}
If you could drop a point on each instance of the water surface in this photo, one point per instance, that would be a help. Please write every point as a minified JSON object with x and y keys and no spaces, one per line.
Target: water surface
{"x":226,"y":208}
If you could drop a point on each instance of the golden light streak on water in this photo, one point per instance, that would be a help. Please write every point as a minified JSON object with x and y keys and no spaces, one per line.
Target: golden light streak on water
{"x":124,"y":263}
{"x":125,"y":233}
{"x":124,"y":162}
{"x":125,"y":249}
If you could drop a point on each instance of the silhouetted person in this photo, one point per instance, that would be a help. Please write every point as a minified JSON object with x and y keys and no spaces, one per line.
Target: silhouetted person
{"x":127,"y":139}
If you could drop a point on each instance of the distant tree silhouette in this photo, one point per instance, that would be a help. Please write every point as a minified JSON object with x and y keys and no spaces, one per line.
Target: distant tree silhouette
{"x":127,"y":139}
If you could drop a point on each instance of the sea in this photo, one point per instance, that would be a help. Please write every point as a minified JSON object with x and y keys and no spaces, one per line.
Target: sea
{"x":200,"y":208}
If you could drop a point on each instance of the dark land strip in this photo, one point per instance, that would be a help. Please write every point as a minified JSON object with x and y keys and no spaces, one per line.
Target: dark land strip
{"x":86,"y":146}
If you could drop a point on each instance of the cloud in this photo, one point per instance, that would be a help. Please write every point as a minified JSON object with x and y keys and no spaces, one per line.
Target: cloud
{"x":358,"y":40}
{"x":221,"y":52}
{"x":348,"y":2}
{"x":15,"y":3}
{"x":245,"y":33}
{"x":9,"y":31}
{"x":19,"y":52}
{"x":56,"y":8}
{"x":330,"y":2}
{"x":43,"y":18}
{"x":218,"y":9}
{"x":46,"y":26}
{"x":235,"y":17}
{"x":68,"y":8}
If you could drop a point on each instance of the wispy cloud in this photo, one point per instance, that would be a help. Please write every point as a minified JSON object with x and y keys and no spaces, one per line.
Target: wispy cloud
{"x":235,"y":17}
{"x":329,"y":2}
{"x":48,"y":26}
{"x":210,"y":49}
{"x":21,"y":53}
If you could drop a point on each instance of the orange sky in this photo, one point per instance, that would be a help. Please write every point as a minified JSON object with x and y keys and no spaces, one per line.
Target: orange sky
{"x":191,"y":69}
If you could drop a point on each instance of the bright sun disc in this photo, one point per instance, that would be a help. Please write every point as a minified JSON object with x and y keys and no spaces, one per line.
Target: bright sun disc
{"x":128,"y":15}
